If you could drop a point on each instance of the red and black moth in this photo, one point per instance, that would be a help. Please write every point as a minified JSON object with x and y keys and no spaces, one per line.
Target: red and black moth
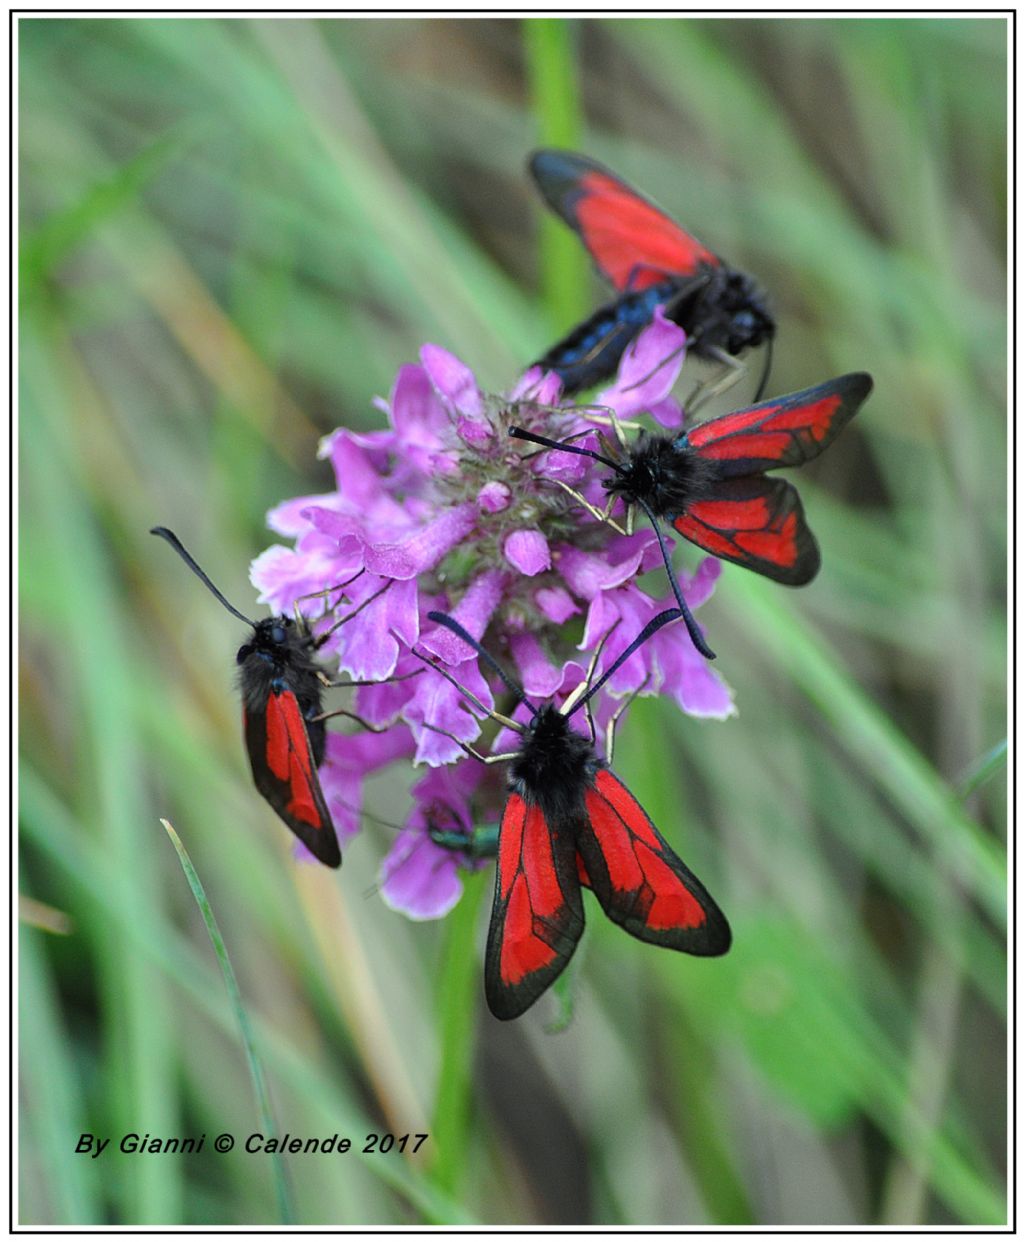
{"x":282,"y":716}
{"x":569,"y":823}
{"x":710,"y":483}
{"x":652,"y":262}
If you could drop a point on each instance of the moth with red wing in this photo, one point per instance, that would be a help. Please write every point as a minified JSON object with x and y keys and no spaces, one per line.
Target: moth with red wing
{"x":282,"y":717}
{"x":569,"y":822}
{"x":652,"y":262}
{"x":710,"y":483}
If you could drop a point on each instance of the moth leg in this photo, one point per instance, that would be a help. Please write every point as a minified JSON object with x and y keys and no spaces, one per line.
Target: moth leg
{"x":324,"y":594}
{"x":610,"y":420}
{"x":600,"y":514}
{"x":609,"y":735}
{"x":732,"y":369}
{"x":340,"y":711}
{"x":470,"y":750}
{"x":322,"y":638}
{"x":591,"y":726}
{"x":487,"y":711}
{"x":383,"y":681}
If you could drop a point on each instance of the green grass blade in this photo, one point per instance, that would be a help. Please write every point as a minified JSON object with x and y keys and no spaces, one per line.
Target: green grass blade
{"x":52,"y":241}
{"x":50,"y":828}
{"x":887,"y":756}
{"x":57,"y":1181}
{"x":983,"y":770}
{"x":259,"y":1084}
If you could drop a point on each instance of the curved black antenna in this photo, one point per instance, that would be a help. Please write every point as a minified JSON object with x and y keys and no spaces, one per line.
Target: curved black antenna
{"x":677,"y":590}
{"x":519,"y":433}
{"x":450,"y":623}
{"x":651,"y":628}
{"x":179,"y":547}
{"x":767,"y":370}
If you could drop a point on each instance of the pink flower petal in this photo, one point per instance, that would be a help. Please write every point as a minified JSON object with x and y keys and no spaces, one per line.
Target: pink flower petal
{"x":473,"y":612}
{"x":437,"y":704}
{"x":367,"y":645}
{"x":494,"y":497}
{"x":528,"y":551}
{"x":359,"y":482}
{"x":556,"y":603}
{"x":453,"y":380}
{"x":287,"y":518}
{"x":587,"y":573}
{"x":416,"y":413}
{"x":538,"y":386}
{"x":669,"y":413}
{"x":649,"y":368}
{"x":699,"y":588}
{"x":415,"y":555}
{"x":539,"y":676}
{"x":474,"y":431}
{"x":282,"y":575}
{"x":420,"y":879}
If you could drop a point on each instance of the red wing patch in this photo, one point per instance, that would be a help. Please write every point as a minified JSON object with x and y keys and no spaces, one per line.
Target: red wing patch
{"x":758,"y":523}
{"x":285,"y":773}
{"x":537,"y":918}
{"x":786,"y":431}
{"x":640,"y":882}
{"x":633,"y":243}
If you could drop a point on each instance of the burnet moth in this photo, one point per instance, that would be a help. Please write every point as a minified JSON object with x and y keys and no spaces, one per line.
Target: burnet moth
{"x":282,"y":717}
{"x":710,"y":482}
{"x":568,"y":823}
{"x":651,"y":262}
{"x":480,"y":843}
{"x":470,"y":847}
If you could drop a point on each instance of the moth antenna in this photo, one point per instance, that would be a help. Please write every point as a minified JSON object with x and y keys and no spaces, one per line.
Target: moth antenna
{"x":190,"y":561}
{"x":442,"y":618}
{"x":651,"y":628}
{"x":569,"y":706}
{"x":677,"y":590}
{"x":562,"y":446}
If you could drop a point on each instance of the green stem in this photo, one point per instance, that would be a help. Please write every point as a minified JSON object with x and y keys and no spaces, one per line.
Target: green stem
{"x":458,"y":983}
{"x":554,"y":88}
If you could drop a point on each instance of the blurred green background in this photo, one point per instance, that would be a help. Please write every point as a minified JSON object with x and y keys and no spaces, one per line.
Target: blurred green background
{"x":232,"y":234}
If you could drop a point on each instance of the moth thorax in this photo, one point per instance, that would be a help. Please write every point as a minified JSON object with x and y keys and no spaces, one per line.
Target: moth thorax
{"x":663,"y":472}
{"x":554,"y":757}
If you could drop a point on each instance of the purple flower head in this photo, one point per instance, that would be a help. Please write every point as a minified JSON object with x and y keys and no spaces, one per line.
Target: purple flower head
{"x":442,"y":510}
